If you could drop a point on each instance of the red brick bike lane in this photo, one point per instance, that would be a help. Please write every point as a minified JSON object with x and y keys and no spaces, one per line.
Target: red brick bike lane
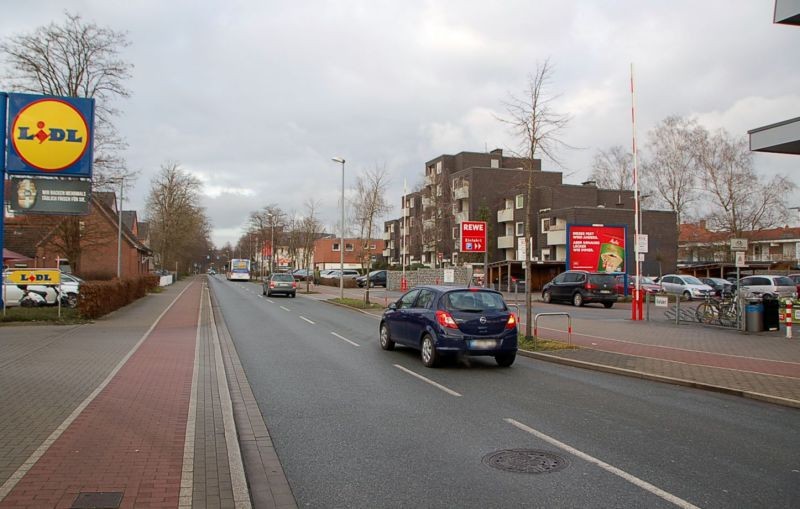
{"x":130,"y":438}
{"x":716,"y":360}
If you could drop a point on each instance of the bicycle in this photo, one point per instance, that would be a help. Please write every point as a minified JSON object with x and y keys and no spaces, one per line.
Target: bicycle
{"x":723,"y":311}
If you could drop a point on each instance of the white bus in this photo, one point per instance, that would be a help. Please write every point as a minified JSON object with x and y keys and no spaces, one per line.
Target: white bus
{"x":239,"y":270}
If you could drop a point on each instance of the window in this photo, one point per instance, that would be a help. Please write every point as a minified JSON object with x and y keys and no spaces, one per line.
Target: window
{"x":411,"y":203}
{"x":438,"y":190}
{"x":546,"y":222}
{"x":495,"y":163}
{"x":391,"y":228}
{"x":520,"y":229}
{"x":456,"y":232}
{"x":509,"y":204}
{"x":348,"y":247}
{"x":335,"y":246}
{"x":424,"y":300}
{"x":520,"y":201}
{"x":439,"y":168}
{"x":411,"y":221}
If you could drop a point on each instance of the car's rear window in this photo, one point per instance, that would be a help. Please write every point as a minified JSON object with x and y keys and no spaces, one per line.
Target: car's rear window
{"x":600,"y":279}
{"x":282,"y":277}
{"x":469,"y":300}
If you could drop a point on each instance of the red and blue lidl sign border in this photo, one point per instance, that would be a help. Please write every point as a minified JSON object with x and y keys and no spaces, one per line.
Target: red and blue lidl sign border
{"x":50,"y":135}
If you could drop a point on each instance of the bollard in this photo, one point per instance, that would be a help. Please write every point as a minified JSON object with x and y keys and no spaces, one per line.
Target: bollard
{"x":789,"y":317}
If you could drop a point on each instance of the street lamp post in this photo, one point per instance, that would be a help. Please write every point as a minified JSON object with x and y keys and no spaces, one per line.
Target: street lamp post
{"x":341,"y":245}
{"x":271,"y":242}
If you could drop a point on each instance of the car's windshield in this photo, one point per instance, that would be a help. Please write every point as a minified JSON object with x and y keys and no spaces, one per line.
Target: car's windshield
{"x":375,"y":272}
{"x":477,"y":301}
{"x":691,"y":280}
{"x":282,"y":277}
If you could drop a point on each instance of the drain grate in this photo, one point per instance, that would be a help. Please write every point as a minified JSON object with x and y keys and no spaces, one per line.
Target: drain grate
{"x":98,"y":500}
{"x":525,"y":461}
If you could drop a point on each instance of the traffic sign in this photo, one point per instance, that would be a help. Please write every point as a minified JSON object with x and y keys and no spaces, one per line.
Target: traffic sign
{"x":473,"y":236}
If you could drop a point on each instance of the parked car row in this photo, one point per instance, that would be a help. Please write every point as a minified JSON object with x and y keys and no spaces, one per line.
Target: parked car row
{"x":40,"y":295}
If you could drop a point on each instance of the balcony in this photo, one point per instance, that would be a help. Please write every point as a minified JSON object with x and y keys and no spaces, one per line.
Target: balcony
{"x":406,"y":212}
{"x":505,"y":242}
{"x":430,"y":179}
{"x":387,"y":235}
{"x":427,"y":202}
{"x":429,"y":224}
{"x":461,"y":217}
{"x":387,"y":253}
{"x":556,"y":237}
{"x":505,"y":216}
{"x":461,"y":193}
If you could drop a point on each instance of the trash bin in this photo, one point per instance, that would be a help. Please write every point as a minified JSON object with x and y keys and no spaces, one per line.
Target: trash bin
{"x":754,"y":315}
{"x":772,"y":307}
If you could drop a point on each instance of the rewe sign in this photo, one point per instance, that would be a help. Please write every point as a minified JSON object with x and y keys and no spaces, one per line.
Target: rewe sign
{"x":473,"y":236}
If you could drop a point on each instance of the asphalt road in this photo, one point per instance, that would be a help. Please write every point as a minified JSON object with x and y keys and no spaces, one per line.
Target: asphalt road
{"x":355,"y":426}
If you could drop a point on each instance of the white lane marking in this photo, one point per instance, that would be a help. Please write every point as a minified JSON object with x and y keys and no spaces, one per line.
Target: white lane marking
{"x":428,"y":380}
{"x":605,"y":466}
{"x":285,"y":308}
{"x":271,"y":301}
{"x":344,"y":339}
{"x":306,"y":319}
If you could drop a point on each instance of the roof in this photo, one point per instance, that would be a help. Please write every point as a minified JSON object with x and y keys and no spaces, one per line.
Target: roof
{"x":129,"y":218}
{"x":698,"y":233}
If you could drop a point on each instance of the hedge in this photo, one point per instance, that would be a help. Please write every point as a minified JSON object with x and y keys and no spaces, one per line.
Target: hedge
{"x":98,"y":298}
{"x":334,"y":281}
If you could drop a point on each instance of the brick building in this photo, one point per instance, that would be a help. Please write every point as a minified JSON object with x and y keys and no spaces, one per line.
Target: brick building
{"x":327,"y":252}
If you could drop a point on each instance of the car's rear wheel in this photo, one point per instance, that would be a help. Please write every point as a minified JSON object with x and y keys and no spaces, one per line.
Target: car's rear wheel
{"x":505,"y":360}
{"x":263,"y":291}
{"x":430,"y":358}
{"x":608,"y":305}
{"x":577,"y":299}
{"x":71,"y":300}
{"x":687,"y":295}
{"x":386,"y":338}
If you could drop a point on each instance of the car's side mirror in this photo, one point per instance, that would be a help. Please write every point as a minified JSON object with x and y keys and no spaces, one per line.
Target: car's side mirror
{"x":393,"y":306}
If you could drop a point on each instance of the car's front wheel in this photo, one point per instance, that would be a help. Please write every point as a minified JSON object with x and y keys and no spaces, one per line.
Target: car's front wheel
{"x":428,"y":353}
{"x":608,"y":305}
{"x":577,"y":300}
{"x":71,"y":300}
{"x":386,"y":338}
{"x":505,"y":360}
{"x":547,"y":297}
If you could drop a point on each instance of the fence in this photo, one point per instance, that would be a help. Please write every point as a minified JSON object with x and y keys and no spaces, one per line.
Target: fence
{"x":461,"y":276}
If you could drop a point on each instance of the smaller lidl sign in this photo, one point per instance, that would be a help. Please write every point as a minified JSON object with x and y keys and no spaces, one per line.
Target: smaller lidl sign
{"x":35,"y":277}
{"x":473,"y":236}
{"x":50,"y":135}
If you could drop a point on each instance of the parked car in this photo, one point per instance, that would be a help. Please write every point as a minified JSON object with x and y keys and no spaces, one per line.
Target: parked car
{"x":68,"y":290}
{"x":280,"y":284}
{"x":334,"y":274}
{"x":796,"y":279}
{"x":646,"y":284}
{"x":719,"y":285}
{"x":781,"y":286}
{"x":303,"y":275}
{"x":376,"y":278}
{"x":580,"y":287}
{"x":444,"y":321}
{"x":687,"y":286}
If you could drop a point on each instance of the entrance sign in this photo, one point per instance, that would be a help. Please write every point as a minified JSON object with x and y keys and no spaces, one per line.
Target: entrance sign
{"x":36,"y":195}
{"x":662,"y":301}
{"x":50,"y":135}
{"x":473,"y":236}
{"x":596,"y":248}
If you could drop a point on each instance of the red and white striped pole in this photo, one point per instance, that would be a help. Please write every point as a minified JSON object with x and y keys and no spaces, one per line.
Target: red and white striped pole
{"x":636,"y":307}
{"x":789,"y":316}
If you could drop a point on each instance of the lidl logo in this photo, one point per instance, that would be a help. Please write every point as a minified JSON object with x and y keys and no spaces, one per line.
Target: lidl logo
{"x":35,"y":277}
{"x":50,"y":135}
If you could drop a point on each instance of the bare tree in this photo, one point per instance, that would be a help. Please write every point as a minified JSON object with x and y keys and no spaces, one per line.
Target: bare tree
{"x":269,"y":222}
{"x":174,"y":212}
{"x":740,"y":200}
{"x":76,"y":59}
{"x":310,"y":229}
{"x":538,"y":128}
{"x":613,"y":169}
{"x":672,"y":170}
{"x":370,"y":206}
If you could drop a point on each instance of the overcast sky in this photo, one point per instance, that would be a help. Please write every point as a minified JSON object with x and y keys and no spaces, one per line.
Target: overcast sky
{"x":255,"y":97}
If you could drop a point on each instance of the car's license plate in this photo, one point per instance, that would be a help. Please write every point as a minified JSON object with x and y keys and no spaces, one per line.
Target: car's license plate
{"x":605,"y":291}
{"x":284,"y":284}
{"x":482,"y":343}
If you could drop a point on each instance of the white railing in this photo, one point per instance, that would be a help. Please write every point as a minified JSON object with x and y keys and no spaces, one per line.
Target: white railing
{"x":505,"y":242}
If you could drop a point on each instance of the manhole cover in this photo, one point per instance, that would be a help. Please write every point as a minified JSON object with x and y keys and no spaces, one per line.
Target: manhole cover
{"x":525,"y":461}
{"x":98,"y":500}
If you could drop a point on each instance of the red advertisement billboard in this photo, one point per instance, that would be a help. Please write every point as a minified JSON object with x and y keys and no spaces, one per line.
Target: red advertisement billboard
{"x":473,"y":236}
{"x":596,"y":248}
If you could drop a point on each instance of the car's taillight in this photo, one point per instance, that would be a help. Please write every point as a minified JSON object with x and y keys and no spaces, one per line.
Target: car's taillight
{"x":512,"y":321}
{"x":294,"y":284}
{"x":272,"y":284}
{"x":590,"y":286}
{"x":445,"y":319}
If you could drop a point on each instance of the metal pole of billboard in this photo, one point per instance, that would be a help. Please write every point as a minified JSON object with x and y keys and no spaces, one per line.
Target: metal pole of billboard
{"x":3,"y":109}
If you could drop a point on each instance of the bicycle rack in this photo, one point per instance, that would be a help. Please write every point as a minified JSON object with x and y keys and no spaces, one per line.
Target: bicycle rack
{"x":536,"y":325}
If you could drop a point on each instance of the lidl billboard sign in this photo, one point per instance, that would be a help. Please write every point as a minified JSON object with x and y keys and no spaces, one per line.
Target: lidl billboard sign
{"x":50,"y":135}
{"x":596,"y":248}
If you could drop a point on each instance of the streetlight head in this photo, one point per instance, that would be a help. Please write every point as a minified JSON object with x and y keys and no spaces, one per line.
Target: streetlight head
{"x":338,"y":159}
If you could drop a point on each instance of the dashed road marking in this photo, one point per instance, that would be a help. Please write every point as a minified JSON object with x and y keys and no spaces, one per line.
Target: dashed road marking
{"x":285,"y":308}
{"x":306,"y":319}
{"x":271,"y":301}
{"x":429,"y":381}
{"x":669,"y":497}
{"x":345,"y":339}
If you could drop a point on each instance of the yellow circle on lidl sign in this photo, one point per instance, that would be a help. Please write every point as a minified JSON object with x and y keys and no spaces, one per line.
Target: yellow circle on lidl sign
{"x":50,"y":135}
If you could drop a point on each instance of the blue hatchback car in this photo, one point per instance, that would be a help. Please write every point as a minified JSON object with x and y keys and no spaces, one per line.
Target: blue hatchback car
{"x":449,"y":321}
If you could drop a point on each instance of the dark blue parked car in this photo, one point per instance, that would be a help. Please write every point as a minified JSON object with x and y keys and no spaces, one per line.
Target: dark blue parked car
{"x":448,"y":321}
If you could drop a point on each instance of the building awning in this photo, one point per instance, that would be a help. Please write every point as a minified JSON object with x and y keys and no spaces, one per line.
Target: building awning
{"x":780,"y":138}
